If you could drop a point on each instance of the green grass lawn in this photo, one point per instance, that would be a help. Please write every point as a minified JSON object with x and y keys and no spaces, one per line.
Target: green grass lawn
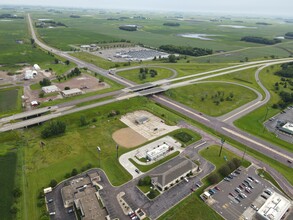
{"x":202,"y":97}
{"x":253,"y":122}
{"x":133,"y":75}
{"x":10,"y":100}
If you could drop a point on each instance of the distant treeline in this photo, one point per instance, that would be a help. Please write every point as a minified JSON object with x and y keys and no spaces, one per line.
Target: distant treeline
{"x":172,"y":24}
{"x":10,"y":16}
{"x":263,"y":23}
{"x":74,"y":16}
{"x":289,"y":35}
{"x":191,"y":51}
{"x":128,"y":28}
{"x":50,"y":23}
{"x":287,"y":70}
{"x":260,"y":40}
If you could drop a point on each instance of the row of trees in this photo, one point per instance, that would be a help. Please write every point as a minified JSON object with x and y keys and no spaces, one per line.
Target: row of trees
{"x":260,"y":40}
{"x":191,"y":51}
{"x":286,"y":71}
{"x":54,"y":128}
{"x":289,"y":35}
{"x":172,"y":24}
{"x":45,"y":82}
{"x":224,"y":170}
{"x":128,"y":28}
{"x":144,"y":71}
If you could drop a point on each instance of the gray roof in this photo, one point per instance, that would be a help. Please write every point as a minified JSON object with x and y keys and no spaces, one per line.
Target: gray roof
{"x":172,"y":173}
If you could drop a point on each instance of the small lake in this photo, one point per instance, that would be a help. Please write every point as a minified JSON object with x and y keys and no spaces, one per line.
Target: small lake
{"x":237,"y":26}
{"x":199,"y":36}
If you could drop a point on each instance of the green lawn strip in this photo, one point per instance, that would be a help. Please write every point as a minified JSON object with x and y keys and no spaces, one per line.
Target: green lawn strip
{"x":245,"y":77}
{"x":212,"y":154}
{"x":35,"y":86}
{"x":145,"y":168}
{"x":268,"y":177}
{"x":133,"y":75}
{"x":11,"y":101}
{"x":144,"y":189}
{"x":212,"y":98}
{"x":192,"y":135}
{"x":281,"y":168}
{"x":253,"y":122}
{"x":96,"y":60}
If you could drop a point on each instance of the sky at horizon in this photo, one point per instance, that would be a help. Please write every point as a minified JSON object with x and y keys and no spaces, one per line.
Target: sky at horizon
{"x":248,"y":7}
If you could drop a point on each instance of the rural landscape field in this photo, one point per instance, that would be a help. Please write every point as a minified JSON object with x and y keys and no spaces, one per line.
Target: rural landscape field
{"x":140,"y":114}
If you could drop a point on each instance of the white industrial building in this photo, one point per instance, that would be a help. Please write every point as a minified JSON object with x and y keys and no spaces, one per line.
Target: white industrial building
{"x":30,"y":74}
{"x":37,"y":67}
{"x":50,"y":89}
{"x":274,"y":208}
{"x":158,"y":152}
{"x":287,"y":128}
{"x":71,"y":92}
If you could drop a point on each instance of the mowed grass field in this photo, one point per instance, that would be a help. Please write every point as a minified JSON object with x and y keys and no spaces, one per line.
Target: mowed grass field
{"x":133,"y":75}
{"x":10,"y":100}
{"x":193,"y":207}
{"x":202,"y":97}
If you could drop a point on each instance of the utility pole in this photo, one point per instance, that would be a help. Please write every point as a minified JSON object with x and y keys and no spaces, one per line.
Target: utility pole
{"x":99,"y":152}
{"x":222,"y":143}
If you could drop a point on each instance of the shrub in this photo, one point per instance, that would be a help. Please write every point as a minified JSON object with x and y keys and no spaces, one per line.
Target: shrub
{"x":54,"y":128}
{"x":53,"y":183}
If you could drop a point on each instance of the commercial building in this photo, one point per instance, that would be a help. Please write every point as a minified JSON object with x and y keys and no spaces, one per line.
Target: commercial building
{"x":160,"y":151}
{"x":81,"y":193}
{"x":142,"y":120}
{"x":50,"y":89}
{"x":287,"y":128}
{"x":71,"y":92}
{"x":274,"y":208}
{"x":170,"y":176}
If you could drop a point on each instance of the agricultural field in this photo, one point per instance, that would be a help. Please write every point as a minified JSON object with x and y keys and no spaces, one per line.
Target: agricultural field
{"x":88,"y":28}
{"x":10,"y":100}
{"x":213,"y":99}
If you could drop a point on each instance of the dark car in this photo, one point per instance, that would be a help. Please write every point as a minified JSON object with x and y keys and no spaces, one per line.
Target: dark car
{"x":136,"y":170}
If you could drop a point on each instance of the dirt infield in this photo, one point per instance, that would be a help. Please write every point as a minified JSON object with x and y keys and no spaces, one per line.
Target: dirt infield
{"x":128,"y":138}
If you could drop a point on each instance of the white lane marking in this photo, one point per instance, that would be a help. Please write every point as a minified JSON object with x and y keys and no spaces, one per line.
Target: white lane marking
{"x":257,"y":143}
{"x":200,"y":144}
{"x":241,"y":111}
{"x":186,"y":110}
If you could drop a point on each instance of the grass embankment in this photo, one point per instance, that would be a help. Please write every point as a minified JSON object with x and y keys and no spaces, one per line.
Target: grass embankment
{"x":213,"y":99}
{"x":193,"y":206}
{"x":253,"y":122}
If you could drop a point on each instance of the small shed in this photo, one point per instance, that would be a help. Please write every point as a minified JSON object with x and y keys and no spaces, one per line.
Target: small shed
{"x":142,"y":120}
{"x":50,"y":89}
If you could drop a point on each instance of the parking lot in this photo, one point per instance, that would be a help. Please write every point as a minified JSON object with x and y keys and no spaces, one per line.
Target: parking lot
{"x":284,"y":116}
{"x":232,"y":204}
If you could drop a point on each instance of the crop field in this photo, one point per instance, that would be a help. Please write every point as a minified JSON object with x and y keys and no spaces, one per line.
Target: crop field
{"x":212,"y":98}
{"x":92,"y":27}
{"x":7,"y":176}
{"x":10,"y":100}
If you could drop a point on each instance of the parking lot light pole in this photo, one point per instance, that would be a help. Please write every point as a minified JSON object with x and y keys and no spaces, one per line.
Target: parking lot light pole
{"x":222,"y":143}
{"x":99,"y":151}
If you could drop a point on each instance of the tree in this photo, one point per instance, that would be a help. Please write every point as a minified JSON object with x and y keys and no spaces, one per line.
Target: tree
{"x":41,"y":94}
{"x":214,"y":178}
{"x":56,"y":61}
{"x":53,"y":128}
{"x":67,"y":62}
{"x":53,"y":183}
{"x":45,"y":82}
{"x":83,"y":121}
{"x":32,"y":41}
{"x":237,"y":162}
{"x":231,"y":165}
{"x":172,"y":58}
{"x":67,"y":88}
{"x":224,"y":170}
{"x":17,"y":192}
{"x":152,"y":194}
{"x":101,"y":79}
{"x":74,"y":172}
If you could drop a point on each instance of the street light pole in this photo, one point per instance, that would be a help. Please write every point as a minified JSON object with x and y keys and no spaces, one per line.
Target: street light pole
{"x":244,"y":153}
{"x":99,"y":151}
{"x":222,"y":143}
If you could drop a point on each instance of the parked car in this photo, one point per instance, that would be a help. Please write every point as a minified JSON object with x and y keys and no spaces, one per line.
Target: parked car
{"x":254,"y":207}
{"x":227,"y":179}
{"x":217,"y":188}
{"x":136,"y":170}
{"x":237,"y":199}
{"x":237,"y":190}
{"x":231,"y":194}
{"x":263,"y":196}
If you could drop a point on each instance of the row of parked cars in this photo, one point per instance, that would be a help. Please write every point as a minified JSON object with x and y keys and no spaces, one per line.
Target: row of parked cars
{"x":133,"y":216}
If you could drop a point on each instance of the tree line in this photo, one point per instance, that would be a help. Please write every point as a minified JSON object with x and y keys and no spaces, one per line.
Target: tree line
{"x":260,"y":40}
{"x":172,"y":24}
{"x":191,"y":51}
{"x":289,"y":35}
{"x":286,"y":71}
